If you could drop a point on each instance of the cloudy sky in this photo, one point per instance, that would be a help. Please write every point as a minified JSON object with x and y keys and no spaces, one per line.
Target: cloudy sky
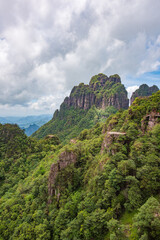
{"x":48,"y":46}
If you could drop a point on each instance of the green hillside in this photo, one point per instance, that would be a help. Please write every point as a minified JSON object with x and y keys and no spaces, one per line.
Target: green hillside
{"x":68,"y":123}
{"x":104,"y":184}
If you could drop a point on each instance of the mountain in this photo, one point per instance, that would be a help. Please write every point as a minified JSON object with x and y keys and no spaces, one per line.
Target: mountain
{"x":12,"y":140}
{"x":102,"y":92}
{"x":86,"y":105}
{"x":103,"y":185}
{"x":25,"y":122}
{"x":31,"y":129}
{"x":143,"y":91}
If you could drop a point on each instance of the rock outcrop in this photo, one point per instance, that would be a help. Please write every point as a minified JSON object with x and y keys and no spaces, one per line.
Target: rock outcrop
{"x":149,"y":121}
{"x":102,"y":92}
{"x":143,"y":91}
{"x":66,"y":158}
{"x":108,"y":143}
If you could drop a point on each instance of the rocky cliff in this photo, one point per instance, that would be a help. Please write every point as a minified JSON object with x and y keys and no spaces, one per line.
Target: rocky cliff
{"x":143,"y":91}
{"x":150,"y":120}
{"x":65,"y":159}
{"x":102,"y":92}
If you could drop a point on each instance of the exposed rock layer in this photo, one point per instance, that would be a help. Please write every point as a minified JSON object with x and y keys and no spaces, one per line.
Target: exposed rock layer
{"x":102,"y":92}
{"x":149,"y":121}
{"x":109,"y":140}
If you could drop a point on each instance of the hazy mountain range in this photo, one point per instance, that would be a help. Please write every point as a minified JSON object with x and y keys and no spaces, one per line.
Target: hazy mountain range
{"x":29,"y":123}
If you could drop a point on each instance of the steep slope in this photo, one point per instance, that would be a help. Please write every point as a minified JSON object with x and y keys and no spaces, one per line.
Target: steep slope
{"x":86,"y":105}
{"x":143,"y":91}
{"x":12,"y":140}
{"x":103,"y":185}
{"x":19,"y":155}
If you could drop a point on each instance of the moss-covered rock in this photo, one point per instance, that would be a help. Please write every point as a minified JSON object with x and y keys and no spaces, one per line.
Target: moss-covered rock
{"x":143,"y":91}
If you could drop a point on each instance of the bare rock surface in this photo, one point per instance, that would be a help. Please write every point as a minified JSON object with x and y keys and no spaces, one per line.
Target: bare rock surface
{"x":149,"y":121}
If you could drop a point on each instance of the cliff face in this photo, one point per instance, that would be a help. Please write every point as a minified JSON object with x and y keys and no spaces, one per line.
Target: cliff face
{"x":111,"y":138}
{"x":149,"y":121}
{"x":101,"y":92}
{"x":65,"y":159}
{"x":143,"y":91}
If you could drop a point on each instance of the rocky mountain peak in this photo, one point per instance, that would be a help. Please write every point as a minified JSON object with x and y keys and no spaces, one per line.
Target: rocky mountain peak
{"x":102,"y":91}
{"x":101,"y":80}
{"x":115,"y":78}
{"x":143,"y":91}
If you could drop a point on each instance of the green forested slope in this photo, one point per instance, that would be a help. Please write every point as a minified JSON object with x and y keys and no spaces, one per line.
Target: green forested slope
{"x":109,"y":189}
{"x":70,"y":122}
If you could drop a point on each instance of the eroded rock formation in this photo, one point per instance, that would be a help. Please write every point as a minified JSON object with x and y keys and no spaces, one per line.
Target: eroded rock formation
{"x":149,"y":121}
{"x":65,"y":158}
{"x":109,"y":139}
{"x":102,"y":92}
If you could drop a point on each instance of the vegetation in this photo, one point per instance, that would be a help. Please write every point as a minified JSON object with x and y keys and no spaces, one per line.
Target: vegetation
{"x":94,"y":79}
{"x":69,"y":122}
{"x":143,"y":91}
{"x":110,"y":190}
{"x":80,"y":90}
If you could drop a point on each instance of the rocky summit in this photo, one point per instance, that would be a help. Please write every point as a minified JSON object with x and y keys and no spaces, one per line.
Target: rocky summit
{"x":102,"y":92}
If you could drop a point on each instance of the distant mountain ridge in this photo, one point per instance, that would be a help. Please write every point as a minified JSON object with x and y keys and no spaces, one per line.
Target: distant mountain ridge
{"x":24,"y":122}
{"x":29,"y":124}
{"x":86,"y":105}
{"x":31,"y":129}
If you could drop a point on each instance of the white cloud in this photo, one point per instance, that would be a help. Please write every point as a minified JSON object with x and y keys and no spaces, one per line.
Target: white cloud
{"x":131,"y":89}
{"x":47,"y":103}
{"x":47,"y":47}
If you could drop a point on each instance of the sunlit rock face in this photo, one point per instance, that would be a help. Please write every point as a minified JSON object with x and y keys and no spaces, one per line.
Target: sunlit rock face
{"x":102,"y":92}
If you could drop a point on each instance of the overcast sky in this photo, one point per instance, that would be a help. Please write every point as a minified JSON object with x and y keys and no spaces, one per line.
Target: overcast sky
{"x":48,"y":46}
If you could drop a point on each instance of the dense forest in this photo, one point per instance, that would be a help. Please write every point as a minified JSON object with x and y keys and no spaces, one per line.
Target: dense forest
{"x":104,"y":184}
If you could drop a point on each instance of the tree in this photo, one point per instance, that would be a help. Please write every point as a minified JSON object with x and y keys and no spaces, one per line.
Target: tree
{"x":117,"y":230}
{"x":148,"y":220}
